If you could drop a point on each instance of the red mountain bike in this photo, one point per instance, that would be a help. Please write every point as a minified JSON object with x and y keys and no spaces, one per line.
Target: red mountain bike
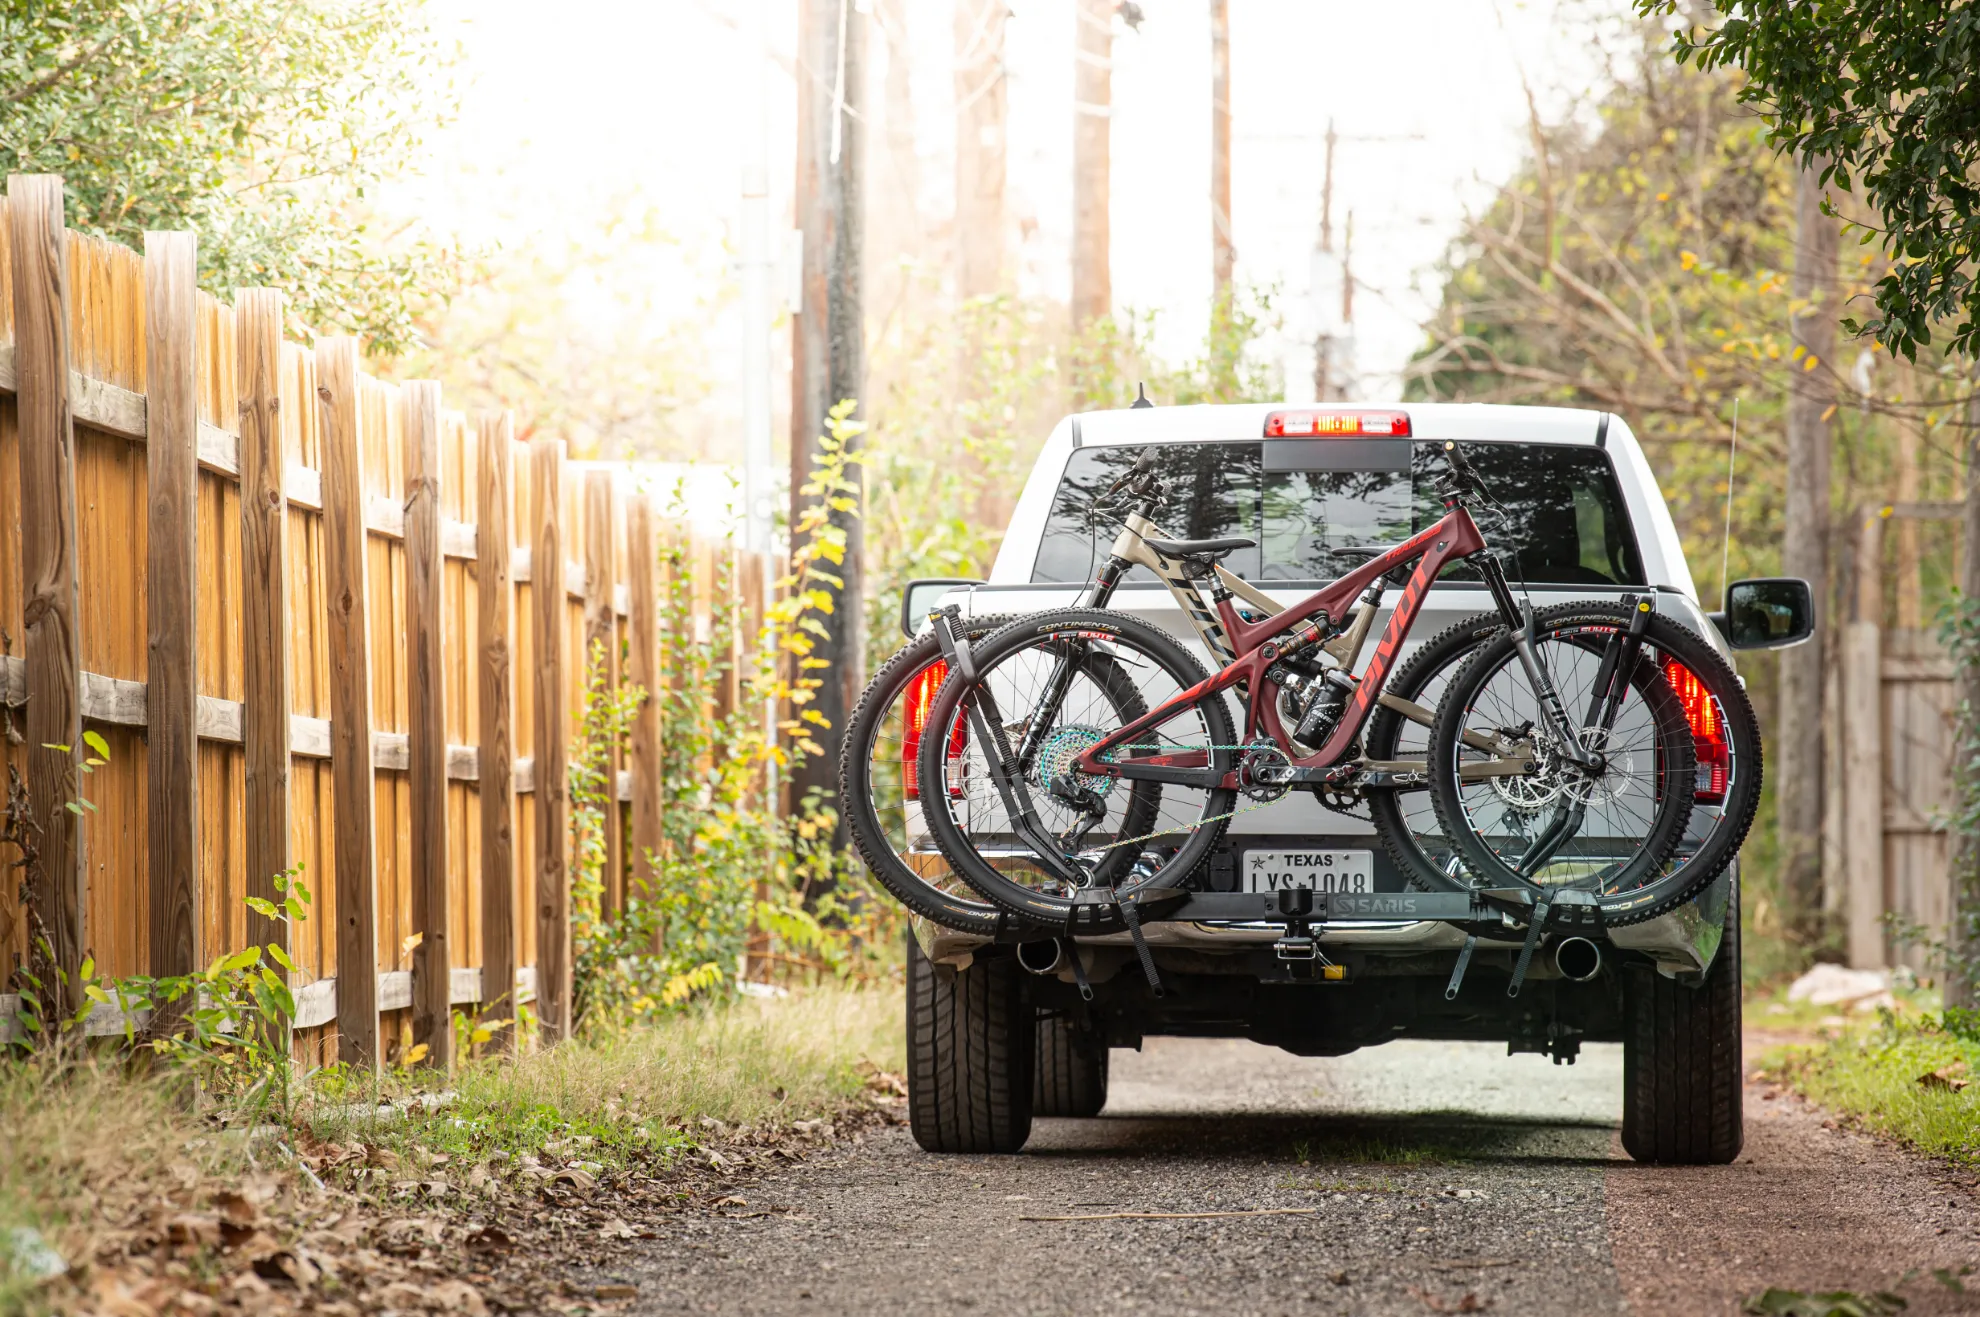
{"x":1078,"y":766}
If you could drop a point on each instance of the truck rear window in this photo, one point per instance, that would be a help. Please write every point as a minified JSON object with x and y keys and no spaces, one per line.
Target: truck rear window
{"x":1563,"y":519}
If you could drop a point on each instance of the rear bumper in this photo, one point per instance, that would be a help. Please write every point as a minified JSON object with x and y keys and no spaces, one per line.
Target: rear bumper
{"x":1682,"y":942}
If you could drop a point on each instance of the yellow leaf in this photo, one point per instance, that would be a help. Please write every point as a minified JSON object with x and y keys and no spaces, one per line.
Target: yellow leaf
{"x":1686,"y":260}
{"x":415,"y":1055}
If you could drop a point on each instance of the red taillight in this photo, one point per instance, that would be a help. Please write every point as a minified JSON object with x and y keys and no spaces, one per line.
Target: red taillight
{"x":1708,"y":731}
{"x":915,"y":702}
{"x":1333,"y":424}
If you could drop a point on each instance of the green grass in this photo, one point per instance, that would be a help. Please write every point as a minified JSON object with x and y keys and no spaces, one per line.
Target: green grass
{"x":90,"y":1142}
{"x":84,"y":1141}
{"x":1870,"y":1073}
{"x":615,"y":1093}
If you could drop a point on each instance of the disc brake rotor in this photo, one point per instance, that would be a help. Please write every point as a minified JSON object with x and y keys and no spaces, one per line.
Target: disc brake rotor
{"x":1530,"y":793}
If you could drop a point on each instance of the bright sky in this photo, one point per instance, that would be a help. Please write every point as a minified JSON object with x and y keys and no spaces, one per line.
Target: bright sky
{"x":635,"y":102}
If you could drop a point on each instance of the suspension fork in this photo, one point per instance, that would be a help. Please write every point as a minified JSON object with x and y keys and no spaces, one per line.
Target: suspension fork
{"x":1518,"y":615}
{"x":1612,"y":676}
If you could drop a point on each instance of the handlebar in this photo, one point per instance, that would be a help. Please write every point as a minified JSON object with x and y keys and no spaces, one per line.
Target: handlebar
{"x":1139,"y":478}
{"x":1463,"y":478}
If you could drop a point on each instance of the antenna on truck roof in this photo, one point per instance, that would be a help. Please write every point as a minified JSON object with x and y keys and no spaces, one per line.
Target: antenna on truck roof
{"x":1141,"y":398}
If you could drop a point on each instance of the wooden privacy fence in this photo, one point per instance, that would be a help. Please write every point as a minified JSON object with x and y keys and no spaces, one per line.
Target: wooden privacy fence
{"x":320,"y":621}
{"x":1891,"y":791}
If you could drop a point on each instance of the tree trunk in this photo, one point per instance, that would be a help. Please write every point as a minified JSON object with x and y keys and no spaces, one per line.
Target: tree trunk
{"x":1805,"y":553}
{"x":980,"y":120}
{"x":828,"y":351}
{"x":1964,"y":935}
{"x":1093,"y":80}
{"x":1223,"y":251}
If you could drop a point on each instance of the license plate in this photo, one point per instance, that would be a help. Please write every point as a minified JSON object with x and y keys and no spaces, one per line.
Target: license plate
{"x":1317,"y":870}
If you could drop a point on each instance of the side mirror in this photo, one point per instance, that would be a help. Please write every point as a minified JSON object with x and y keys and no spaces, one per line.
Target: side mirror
{"x":920,"y":597}
{"x":1767,"y":612}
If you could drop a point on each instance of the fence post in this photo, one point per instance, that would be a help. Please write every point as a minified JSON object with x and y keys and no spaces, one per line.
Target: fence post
{"x":551,"y":797}
{"x":1863,"y":749}
{"x":347,"y":591}
{"x":601,"y":628}
{"x":40,"y":259}
{"x":426,"y":740}
{"x":171,"y":610}
{"x":643,"y":671}
{"x":258,"y":315}
{"x":496,"y":616}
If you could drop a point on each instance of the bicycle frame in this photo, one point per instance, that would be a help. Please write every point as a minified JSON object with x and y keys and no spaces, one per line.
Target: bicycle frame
{"x":1255,"y":646}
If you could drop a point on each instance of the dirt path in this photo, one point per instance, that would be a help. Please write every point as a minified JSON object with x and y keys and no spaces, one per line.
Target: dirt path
{"x":1426,"y":1177}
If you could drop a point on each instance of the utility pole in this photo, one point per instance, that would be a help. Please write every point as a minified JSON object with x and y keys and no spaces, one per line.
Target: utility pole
{"x":1328,"y":383}
{"x":1093,"y":109}
{"x":827,"y":333}
{"x":1223,"y":256}
{"x":981,"y":112}
{"x":1805,"y":553}
{"x":755,"y":228}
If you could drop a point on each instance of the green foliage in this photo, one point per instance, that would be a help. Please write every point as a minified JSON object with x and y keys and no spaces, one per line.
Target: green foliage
{"x":732,"y":866}
{"x":541,"y":326}
{"x":1877,"y":93}
{"x":966,"y":402}
{"x":260,"y":124}
{"x":1114,"y":356}
{"x":1777,"y":1302}
{"x":1639,"y":262}
{"x":1882,"y":1075}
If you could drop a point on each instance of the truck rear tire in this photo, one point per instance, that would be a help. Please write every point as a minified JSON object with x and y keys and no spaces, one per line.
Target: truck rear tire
{"x":1683,"y":1075}
{"x":971,"y":1053}
{"x":1071,"y":1070}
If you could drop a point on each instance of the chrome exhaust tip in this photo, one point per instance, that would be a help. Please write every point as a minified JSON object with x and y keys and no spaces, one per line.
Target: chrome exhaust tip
{"x":1042,"y":957}
{"x":1577,"y":958}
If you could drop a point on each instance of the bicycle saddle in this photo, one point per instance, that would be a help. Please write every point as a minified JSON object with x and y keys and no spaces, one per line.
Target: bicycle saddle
{"x":1205,"y":551}
{"x":1197,"y":557}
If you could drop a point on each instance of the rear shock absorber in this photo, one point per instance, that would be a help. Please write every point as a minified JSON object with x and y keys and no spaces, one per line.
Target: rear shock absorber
{"x":1323,"y":710}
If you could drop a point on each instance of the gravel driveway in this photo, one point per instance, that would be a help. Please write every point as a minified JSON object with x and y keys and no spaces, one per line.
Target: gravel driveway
{"x":1422,"y":1177}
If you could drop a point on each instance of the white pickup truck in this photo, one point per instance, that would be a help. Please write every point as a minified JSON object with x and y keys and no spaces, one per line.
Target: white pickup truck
{"x":1584,"y":518}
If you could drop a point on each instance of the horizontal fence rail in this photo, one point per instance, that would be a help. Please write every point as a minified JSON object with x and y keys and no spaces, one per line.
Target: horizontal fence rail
{"x":217,"y":543}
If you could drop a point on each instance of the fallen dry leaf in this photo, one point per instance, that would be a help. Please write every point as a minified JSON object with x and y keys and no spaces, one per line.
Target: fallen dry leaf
{"x":579,"y":1179}
{"x":288,"y":1264}
{"x":1949,"y":1077}
{"x":193,"y":1229}
{"x":617,"y":1229}
{"x":617,"y":1291}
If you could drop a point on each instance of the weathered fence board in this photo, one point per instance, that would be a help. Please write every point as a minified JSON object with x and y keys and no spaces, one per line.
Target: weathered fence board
{"x":171,"y":595}
{"x":295,"y":614}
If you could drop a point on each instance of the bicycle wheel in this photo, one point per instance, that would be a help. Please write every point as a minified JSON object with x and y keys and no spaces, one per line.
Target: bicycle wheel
{"x":879,"y":791}
{"x":1060,"y":682}
{"x":1611,"y":830}
{"x":1405,"y":818}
